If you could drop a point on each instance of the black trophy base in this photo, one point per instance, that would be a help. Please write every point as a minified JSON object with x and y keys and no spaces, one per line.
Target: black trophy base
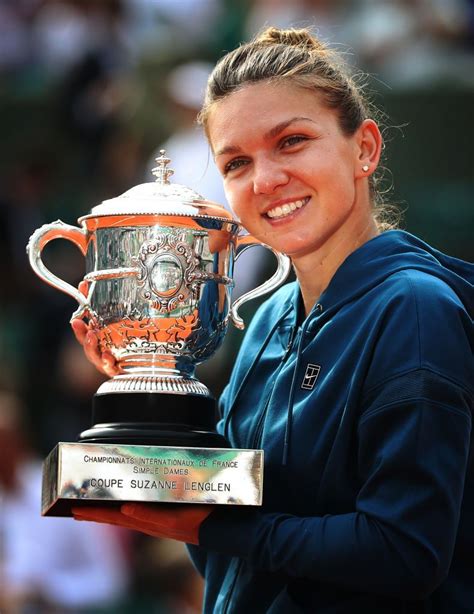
{"x":155,"y":419}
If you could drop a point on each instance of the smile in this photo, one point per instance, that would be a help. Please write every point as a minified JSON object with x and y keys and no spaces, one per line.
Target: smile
{"x":287,"y":208}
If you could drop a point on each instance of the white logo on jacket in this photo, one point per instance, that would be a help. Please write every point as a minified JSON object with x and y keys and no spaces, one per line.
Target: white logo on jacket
{"x":310,"y":376}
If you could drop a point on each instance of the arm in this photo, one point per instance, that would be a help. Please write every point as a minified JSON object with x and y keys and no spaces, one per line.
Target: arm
{"x":399,"y":540}
{"x":413,"y":438}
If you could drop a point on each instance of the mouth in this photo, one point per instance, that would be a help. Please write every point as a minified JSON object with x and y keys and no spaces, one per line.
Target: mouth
{"x":286,"y":209}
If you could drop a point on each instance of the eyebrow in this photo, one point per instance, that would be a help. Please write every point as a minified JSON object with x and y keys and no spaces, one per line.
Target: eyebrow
{"x":276,"y":130}
{"x":272,"y":133}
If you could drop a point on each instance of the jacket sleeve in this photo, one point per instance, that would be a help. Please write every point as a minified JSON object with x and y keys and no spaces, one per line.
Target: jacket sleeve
{"x":399,"y":540}
{"x":413,"y":437}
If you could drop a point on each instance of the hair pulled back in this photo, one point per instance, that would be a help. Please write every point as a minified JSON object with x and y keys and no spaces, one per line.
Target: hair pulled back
{"x":296,"y":55}
{"x":290,"y":37}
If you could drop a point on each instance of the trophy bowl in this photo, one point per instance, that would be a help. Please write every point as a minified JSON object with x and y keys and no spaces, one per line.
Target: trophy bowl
{"x":159,"y":263}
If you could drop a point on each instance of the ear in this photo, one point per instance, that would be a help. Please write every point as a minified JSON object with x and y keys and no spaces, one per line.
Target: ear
{"x":369,"y":143}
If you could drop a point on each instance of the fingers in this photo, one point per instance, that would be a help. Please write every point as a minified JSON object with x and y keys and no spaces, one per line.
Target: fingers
{"x":181,"y":519}
{"x":91,"y":345}
{"x":98,"y":514}
{"x":114,"y":517}
{"x":92,"y":351}
{"x":109,"y":365}
{"x":147,"y":512}
{"x":103,"y":361}
{"x":80,"y":330}
{"x":179,"y":523}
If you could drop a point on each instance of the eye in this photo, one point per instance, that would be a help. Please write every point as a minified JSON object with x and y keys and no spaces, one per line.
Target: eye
{"x":293,"y":140}
{"x":234,"y":165}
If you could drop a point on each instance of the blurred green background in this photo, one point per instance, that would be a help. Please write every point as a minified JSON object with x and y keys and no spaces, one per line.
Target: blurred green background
{"x":89,"y":90}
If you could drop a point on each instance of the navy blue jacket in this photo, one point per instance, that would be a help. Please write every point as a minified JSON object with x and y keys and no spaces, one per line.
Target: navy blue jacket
{"x":364,"y":411}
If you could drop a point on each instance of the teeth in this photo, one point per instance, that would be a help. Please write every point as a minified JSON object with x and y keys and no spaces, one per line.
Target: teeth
{"x":287,"y":208}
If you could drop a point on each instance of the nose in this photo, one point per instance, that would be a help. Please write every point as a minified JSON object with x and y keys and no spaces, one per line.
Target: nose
{"x":268,"y":176}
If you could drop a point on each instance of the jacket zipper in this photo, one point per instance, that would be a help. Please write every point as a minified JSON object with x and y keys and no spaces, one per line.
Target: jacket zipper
{"x":231,"y":589}
{"x":257,"y":439}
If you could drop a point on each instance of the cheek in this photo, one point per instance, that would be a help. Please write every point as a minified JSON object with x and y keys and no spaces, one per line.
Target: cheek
{"x":338,"y":180}
{"x":235,"y":200}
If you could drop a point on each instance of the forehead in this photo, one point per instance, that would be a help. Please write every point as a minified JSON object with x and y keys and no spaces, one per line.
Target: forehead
{"x":258,"y":107}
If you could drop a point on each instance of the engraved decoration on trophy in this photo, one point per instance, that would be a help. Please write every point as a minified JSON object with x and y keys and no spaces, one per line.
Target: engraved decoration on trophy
{"x":159,"y":263}
{"x":169,"y":271}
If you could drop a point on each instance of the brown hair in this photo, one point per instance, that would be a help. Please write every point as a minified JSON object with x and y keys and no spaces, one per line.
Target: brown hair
{"x":297,"y":55}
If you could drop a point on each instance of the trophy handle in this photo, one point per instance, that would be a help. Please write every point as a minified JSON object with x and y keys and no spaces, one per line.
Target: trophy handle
{"x":36,"y":244}
{"x":284,"y":265}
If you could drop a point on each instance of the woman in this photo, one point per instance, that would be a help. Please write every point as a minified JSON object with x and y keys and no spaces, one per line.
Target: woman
{"x":356,"y":380}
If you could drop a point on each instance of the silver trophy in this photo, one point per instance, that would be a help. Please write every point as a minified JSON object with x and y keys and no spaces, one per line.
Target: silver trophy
{"x":159,"y":267}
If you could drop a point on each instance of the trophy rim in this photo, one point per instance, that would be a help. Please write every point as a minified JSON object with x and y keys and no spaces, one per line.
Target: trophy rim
{"x":157,"y":213}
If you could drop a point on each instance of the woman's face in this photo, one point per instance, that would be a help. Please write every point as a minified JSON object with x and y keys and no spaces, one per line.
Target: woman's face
{"x":290,"y":174}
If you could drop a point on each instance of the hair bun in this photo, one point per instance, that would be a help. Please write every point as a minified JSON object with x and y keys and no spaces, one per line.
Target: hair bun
{"x":292,"y":37}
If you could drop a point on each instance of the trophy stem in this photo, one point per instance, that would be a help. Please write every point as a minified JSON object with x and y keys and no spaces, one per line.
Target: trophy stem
{"x":154,"y":381}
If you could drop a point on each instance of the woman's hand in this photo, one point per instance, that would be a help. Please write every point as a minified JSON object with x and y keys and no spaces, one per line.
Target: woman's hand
{"x":180,"y":522}
{"x":103,"y":361}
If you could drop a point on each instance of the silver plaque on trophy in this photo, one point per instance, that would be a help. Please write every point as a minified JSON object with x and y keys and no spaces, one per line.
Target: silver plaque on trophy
{"x":159,"y":266}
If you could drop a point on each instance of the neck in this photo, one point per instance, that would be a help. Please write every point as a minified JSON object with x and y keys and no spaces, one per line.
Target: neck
{"x":315,"y":270}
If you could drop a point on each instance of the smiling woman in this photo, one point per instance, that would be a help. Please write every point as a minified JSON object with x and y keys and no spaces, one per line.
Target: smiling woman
{"x":356,"y":380}
{"x":314,"y":157}
{"x":295,"y":179}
